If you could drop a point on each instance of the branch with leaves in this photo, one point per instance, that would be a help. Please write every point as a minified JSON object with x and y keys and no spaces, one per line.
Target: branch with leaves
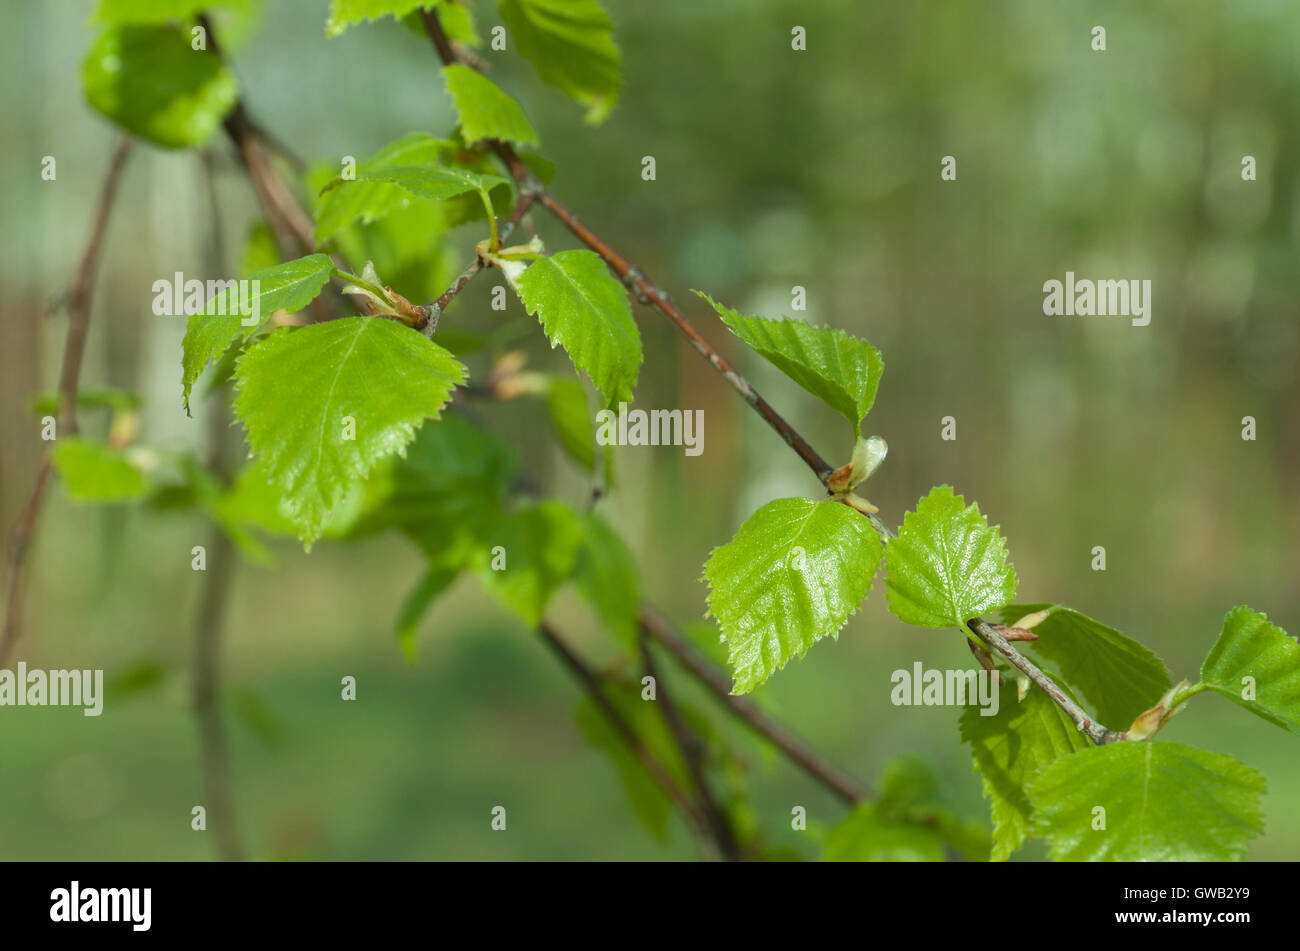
{"x":344,"y":418}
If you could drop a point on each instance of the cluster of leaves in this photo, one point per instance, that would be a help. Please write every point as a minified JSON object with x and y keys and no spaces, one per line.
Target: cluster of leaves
{"x":350,"y":433}
{"x":347,"y":420}
{"x":798,"y":568}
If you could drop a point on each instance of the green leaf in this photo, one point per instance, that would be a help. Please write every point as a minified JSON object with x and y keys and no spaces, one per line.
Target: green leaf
{"x":571,"y":44}
{"x":607,"y":576}
{"x":841,"y":370}
{"x":298,"y":389}
{"x":649,"y":801}
{"x":138,"y":12}
{"x":1163,"y":802}
{"x":253,"y":502}
{"x":152,"y":12}
{"x":486,"y":112}
{"x":407,"y":247}
{"x":94,"y":472}
{"x":88,"y":397}
{"x":140,"y":678}
{"x":290,"y":286}
{"x":149,"y":81}
{"x":427,"y":181}
{"x":792,"y":575}
{"x":907,"y":822}
{"x":1250,"y":647}
{"x":436,"y":579}
{"x":346,"y":13}
{"x":566,"y":402}
{"x":457,"y":21}
{"x":539,"y":551}
{"x":1118,"y":676}
{"x":202,"y":489}
{"x":339,"y":207}
{"x":947,"y":565}
{"x":583,"y":309}
{"x":258,"y":716}
{"x":865,"y":837}
{"x":374,"y":201}
{"x":907,"y":783}
{"x":1010,"y":747}
{"x":260,"y":251}
{"x":447,"y":494}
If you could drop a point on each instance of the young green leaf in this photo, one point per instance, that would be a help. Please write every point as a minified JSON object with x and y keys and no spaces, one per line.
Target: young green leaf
{"x":1114,"y":673}
{"x":437,"y":578}
{"x":456,"y":18}
{"x":407,"y":246}
{"x":1147,"y":802}
{"x":607,"y":576}
{"x":538,"y":547}
{"x":947,"y":565}
{"x":792,"y":575}
{"x":290,"y":286}
{"x":864,"y":836}
{"x":260,"y":251}
{"x":908,"y":794}
{"x":88,"y":397}
{"x":1256,"y":664}
{"x":486,"y":112}
{"x":571,"y":45}
{"x":259,"y":716}
{"x":139,"y":12}
{"x":339,"y":207}
{"x":200,"y":488}
{"x":1010,"y":747}
{"x":427,"y":181}
{"x":346,"y":13}
{"x":583,"y":309}
{"x":322,"y":404}
{"x":841,"y":370}
{"x":566,"y":402}
{"x":95,"y":472}
{"x":253,"y":502}
{"x":648,"y":799}
{"x":148,"y":80}
{"x":447,"y":494}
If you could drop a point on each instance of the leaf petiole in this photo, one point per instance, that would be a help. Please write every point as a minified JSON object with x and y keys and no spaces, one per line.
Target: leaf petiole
{"x":495,"y":241}
{"x":365,"y":285}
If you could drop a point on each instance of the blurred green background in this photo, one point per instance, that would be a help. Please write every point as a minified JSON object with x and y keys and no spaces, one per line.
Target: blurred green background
{"x":775,"y":168}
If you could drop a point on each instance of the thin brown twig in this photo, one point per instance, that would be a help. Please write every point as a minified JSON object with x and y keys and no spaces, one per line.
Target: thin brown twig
{"x":1095,"y":731}
{"x":591,"y":683}
{"x":636,"y":281}
{"x":218,"y":579}
{"x":434,"y":310}
{"x":291,"y":224}
{"x":289,"y":221}
{"x":80,"y":300}
{"x":648,"y":293}
{"x":848,"y":789}
{"x":693,"y":753}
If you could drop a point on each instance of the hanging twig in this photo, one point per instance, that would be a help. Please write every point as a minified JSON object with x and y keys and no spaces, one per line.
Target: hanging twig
{"x":649,"y":294}
{"x":209,"y":621}
{"x":80,"y":299}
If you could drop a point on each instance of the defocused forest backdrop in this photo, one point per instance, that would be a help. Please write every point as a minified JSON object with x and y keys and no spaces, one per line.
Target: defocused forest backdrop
{"x":775,"y":168}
